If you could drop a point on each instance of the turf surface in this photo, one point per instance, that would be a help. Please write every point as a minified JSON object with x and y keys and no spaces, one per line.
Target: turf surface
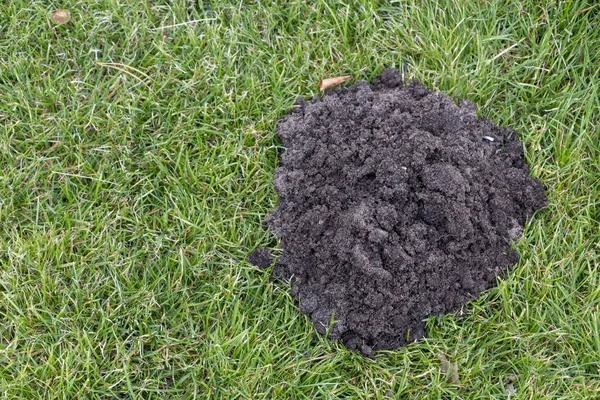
{"x":137,"y":152}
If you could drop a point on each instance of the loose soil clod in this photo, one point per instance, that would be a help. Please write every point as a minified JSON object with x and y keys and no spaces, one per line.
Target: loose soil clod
{"x":395,"y":205}
{"x":261,"y":257}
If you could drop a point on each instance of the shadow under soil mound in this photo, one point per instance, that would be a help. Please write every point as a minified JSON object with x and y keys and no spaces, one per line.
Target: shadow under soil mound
{"x":395,"y":204}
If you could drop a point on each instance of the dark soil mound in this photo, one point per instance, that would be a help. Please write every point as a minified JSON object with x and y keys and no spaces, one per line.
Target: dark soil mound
{"x":395,"y":204}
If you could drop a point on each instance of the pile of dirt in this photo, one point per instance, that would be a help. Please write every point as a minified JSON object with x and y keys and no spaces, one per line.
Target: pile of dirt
{"x":395,"y":204}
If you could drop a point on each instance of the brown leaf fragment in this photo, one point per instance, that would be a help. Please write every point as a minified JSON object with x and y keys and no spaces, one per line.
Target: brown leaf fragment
{"x":453,"y":373}
{"x":60,"y":16}
{"x":325,"y":84}
{"x":449,"y":369}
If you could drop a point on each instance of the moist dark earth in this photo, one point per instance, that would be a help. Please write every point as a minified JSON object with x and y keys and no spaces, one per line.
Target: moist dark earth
{"x":395,"y":204}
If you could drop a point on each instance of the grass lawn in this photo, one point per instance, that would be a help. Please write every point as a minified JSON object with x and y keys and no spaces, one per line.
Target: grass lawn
{"x":137,"y":152}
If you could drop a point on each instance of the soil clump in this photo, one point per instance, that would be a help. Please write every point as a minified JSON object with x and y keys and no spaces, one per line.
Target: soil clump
{"x":395,"y":204}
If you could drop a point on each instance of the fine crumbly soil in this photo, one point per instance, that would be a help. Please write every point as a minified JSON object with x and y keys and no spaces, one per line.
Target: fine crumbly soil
{"x":395,"y":204}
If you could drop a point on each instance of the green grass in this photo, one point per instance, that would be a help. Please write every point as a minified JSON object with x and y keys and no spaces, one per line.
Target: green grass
{"x":136,"y":165}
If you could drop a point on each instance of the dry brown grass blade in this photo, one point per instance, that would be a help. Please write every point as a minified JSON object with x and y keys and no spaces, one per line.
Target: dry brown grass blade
{"x":122,"y":68}
{"x":325,"y":84}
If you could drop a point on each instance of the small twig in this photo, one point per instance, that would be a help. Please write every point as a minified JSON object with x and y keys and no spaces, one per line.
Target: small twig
{"x":587,"y":9}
